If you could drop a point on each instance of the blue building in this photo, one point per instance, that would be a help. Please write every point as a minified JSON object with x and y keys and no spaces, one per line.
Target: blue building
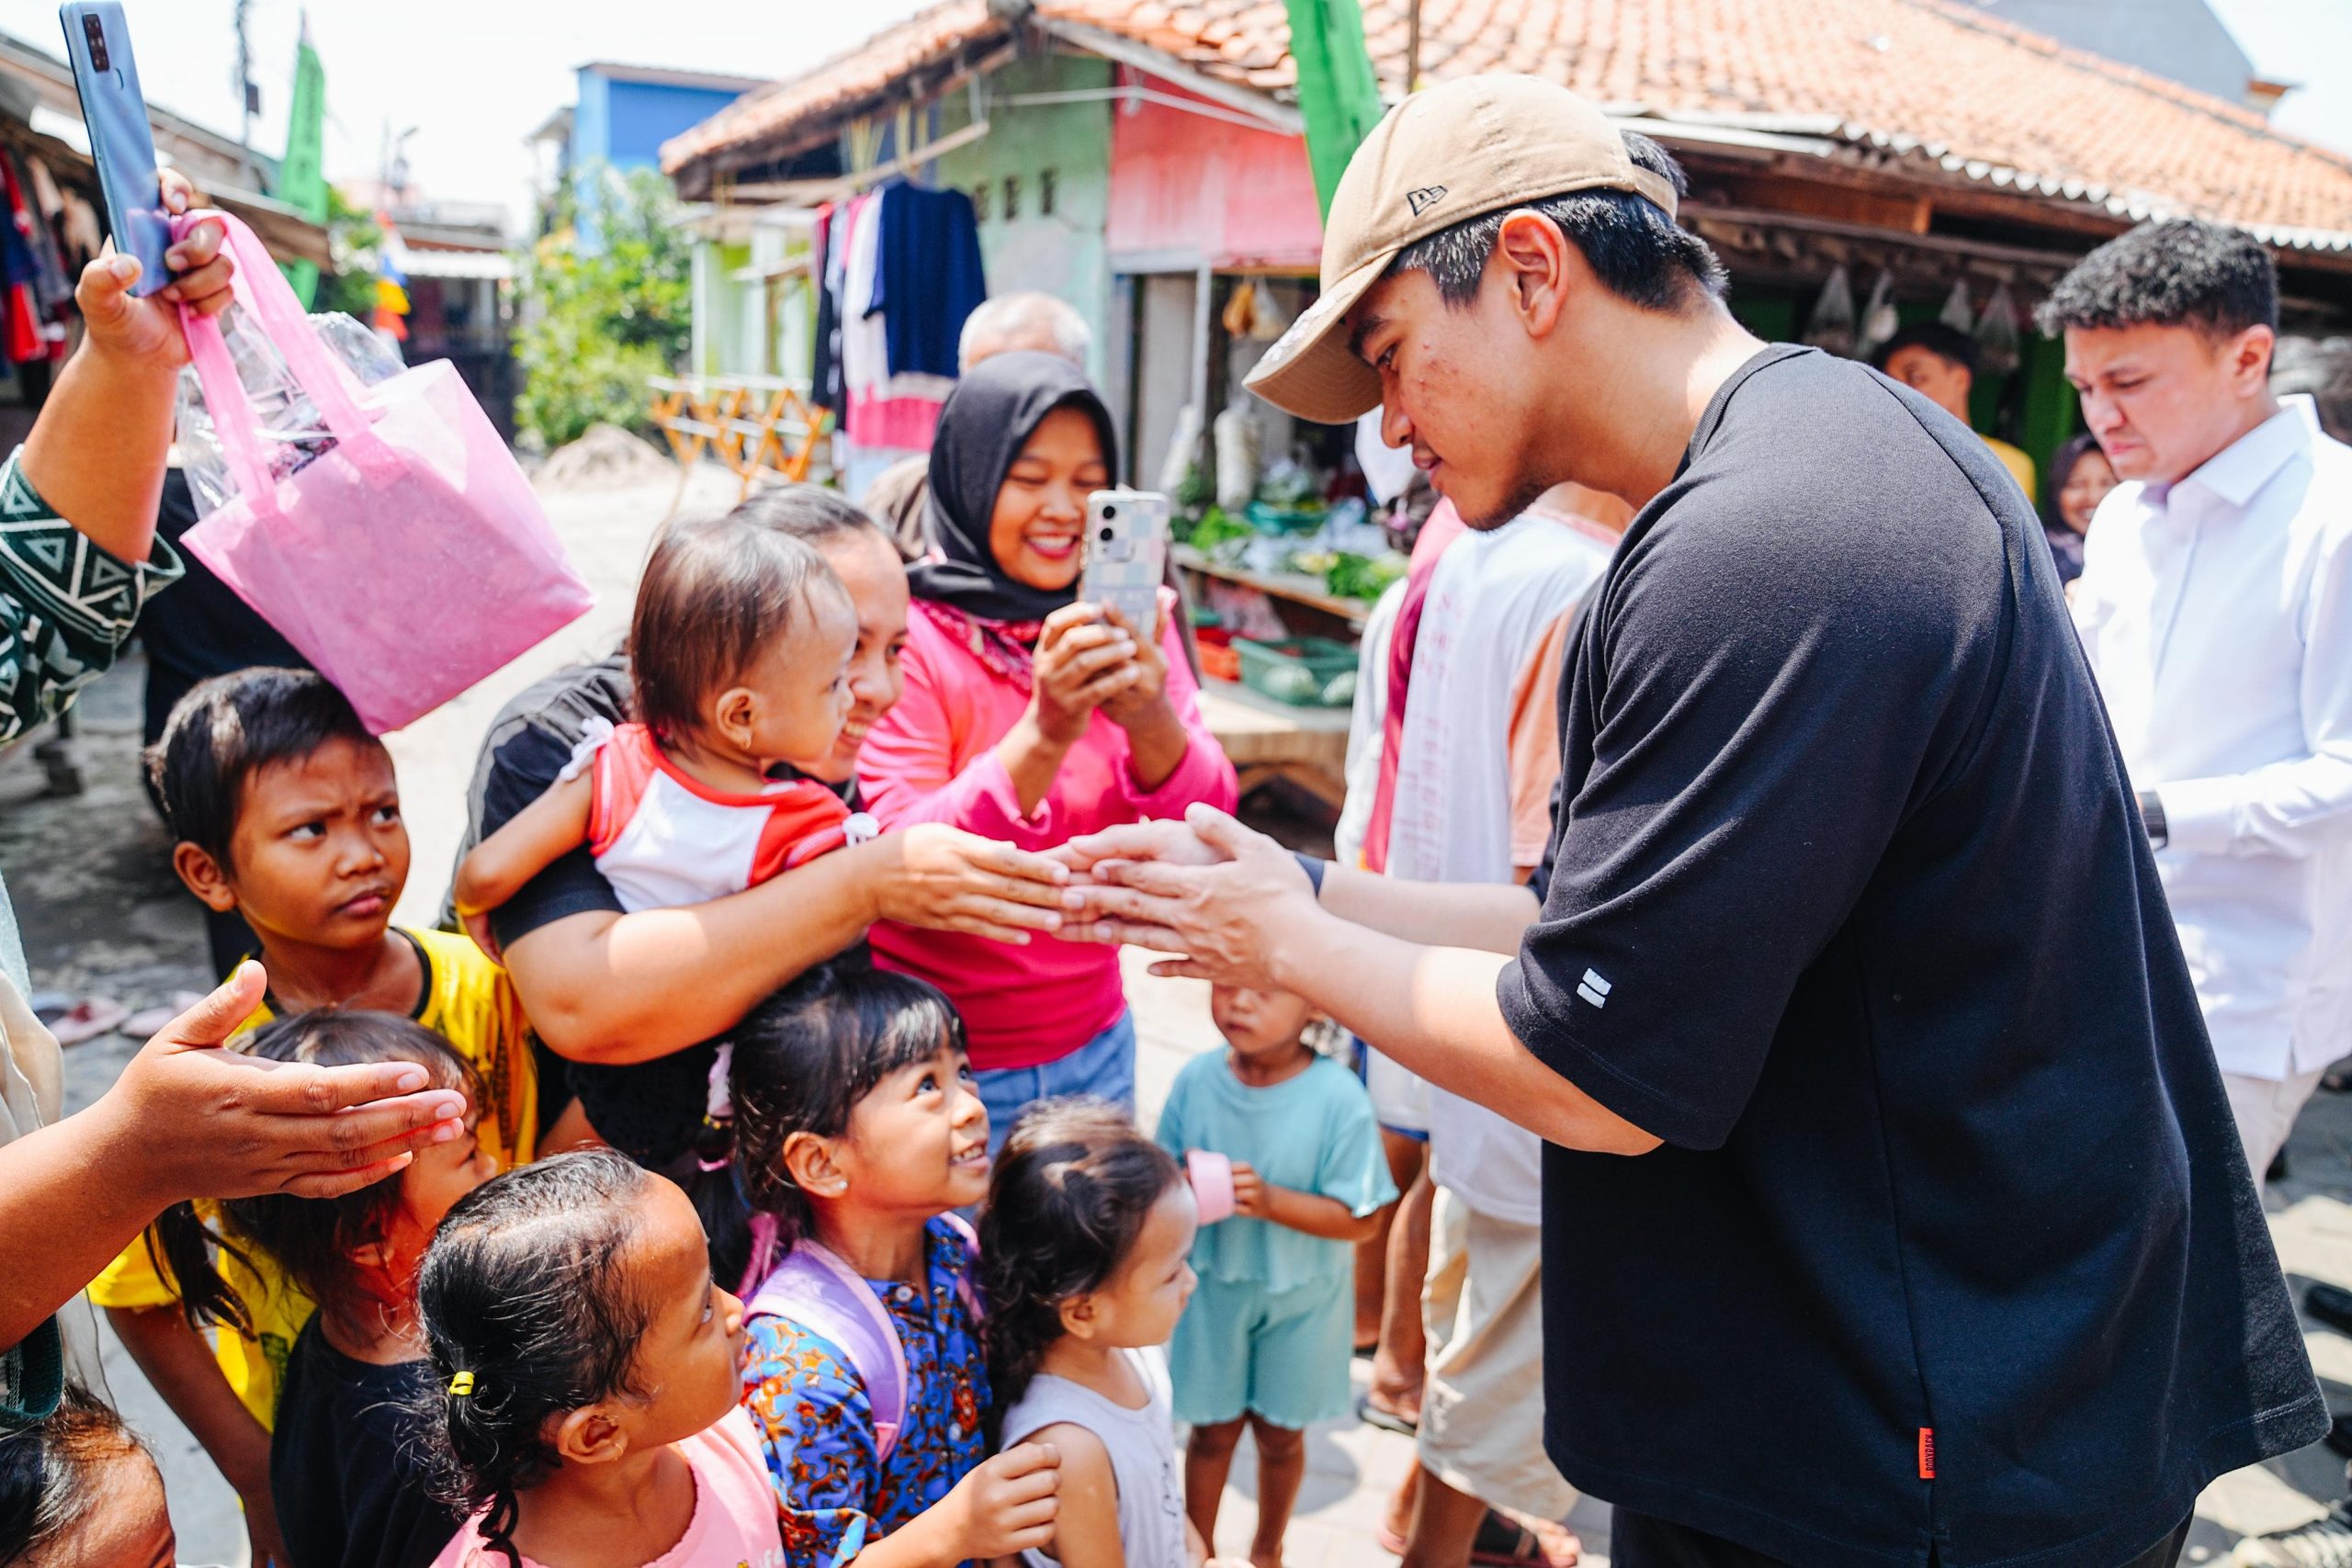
{"x":623,"y":115}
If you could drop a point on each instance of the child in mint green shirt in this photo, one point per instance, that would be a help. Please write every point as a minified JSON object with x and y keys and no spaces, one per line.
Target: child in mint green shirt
{"x":1266,"y":1339}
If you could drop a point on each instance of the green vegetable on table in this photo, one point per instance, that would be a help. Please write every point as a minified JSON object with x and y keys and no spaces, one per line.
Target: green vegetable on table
{"x":1351,"y":576}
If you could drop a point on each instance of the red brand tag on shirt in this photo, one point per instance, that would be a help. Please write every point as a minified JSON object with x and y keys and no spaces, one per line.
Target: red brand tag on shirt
{"x":1927,"y":1453}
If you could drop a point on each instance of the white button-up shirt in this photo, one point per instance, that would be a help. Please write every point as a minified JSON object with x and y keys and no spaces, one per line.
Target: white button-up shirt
{"x":2217,"y":613}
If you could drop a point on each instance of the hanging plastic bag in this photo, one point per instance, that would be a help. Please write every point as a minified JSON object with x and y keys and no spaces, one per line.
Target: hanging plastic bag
{"x":1234,"y":434}
{"x":1831,"y":325}
{"x":290,"y":428}
{"x":1957,"y":314}
{"x":403,"y":553}
{"x":1996,"y":334}
{"x":1880,"y":321}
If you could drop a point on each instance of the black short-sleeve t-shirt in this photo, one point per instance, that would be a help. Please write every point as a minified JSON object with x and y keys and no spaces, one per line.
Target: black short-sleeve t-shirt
{"x":352,"y":1484}
{"x":1952,"y":1246}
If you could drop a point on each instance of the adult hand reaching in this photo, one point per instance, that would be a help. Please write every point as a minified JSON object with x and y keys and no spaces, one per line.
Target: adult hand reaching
{"x":1226,"y":916}
{"x":190,"y":1120}
{"x":944,"y":878}
{"x":194,"y":1120}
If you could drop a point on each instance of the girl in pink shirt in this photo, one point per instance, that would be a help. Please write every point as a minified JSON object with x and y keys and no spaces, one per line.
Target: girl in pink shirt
{"x":583,"y":1396}
{"x":1030,"y":717}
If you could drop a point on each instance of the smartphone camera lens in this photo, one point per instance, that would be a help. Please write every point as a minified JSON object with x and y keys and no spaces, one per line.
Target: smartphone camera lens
{"x":1109,"y":513}
{"x":1105,"y":536}
{"x":96,"y":32}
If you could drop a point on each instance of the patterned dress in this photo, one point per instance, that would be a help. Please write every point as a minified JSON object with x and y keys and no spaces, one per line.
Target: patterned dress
{"x":66,"y":608}
{"x":817,"y":1428}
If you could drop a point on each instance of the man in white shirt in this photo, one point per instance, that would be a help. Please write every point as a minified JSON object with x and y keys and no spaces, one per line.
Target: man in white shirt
{"x":1477,"y":759}
{"x":2215,"y":605}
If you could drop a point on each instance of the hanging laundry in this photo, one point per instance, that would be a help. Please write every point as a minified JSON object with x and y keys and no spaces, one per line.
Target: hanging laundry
{"x":825,"y":366}
{"x":19,"y":270}
{"x":51,"y":285}
{"x":931,"y":276}
{"x":889,"y":409}
{"x":83,"y":237}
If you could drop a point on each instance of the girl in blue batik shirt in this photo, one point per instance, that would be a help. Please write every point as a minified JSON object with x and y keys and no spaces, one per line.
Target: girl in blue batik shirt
{"x":857,"y":1135}
{"x":1266,"y":1340}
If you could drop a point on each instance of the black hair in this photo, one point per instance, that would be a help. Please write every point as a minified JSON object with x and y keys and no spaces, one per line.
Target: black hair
{"x":523,"y":1291}
{"x":50,"y":1470}
{"x":1070,"y":1195}
{"x":2062,"y":468}
{"x":310,"y":1238}
{"x":809,"y":513}
{"x":804,"y":1059}
{"x":2181,"y":272}
{"x":1941,"y":339}
{"x":715,"y":596}
{"x":1639,"y":253}
{"x":229,"y":728}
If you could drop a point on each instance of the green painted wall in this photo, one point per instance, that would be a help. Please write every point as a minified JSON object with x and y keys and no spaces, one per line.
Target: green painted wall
{"x":1066,"y":146}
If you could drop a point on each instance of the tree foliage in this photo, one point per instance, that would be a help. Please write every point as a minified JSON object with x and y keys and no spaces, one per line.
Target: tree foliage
{"x":349,"y":286}
{"x":607,"y":301}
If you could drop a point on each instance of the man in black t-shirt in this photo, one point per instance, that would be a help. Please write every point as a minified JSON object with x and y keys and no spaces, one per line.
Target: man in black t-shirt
{"x":1894,"y":1214}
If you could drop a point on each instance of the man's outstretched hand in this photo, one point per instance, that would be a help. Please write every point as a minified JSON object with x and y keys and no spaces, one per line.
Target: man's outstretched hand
{"x":1209,"y":888}
{"x":191,"y":1119}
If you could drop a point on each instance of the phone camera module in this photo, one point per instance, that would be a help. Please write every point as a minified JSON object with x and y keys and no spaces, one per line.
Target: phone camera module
{"x":96,"y":33}
{"x":1107,"y":535}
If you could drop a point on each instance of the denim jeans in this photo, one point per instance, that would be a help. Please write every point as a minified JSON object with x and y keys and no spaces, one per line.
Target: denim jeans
{"x":1104,"y":1067}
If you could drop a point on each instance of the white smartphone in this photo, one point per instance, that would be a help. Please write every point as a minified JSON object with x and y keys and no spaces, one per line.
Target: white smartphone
{"x":1126,"y":554}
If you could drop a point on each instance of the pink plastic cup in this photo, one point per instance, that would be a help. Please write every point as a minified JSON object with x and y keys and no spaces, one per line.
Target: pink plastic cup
{"x":1212,"y":1176}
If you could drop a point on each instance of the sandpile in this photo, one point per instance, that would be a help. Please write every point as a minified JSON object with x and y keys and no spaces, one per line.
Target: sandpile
{"x":606,"y":457}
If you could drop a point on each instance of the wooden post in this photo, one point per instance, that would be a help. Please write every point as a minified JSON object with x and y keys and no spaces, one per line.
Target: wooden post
{"x":1412,"y":45}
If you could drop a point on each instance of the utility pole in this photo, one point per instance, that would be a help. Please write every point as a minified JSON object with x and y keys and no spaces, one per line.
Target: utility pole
{"x":248,"y":94}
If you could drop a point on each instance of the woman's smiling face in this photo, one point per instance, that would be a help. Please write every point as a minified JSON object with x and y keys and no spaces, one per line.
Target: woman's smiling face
{"x":1040,"y":517}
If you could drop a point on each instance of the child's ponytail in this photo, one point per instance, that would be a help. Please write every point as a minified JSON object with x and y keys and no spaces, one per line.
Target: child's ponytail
{"x":1070,"y":1195}
{"x":803,"y":1059}
{"x":186,"y":1252}
{"x":525,"y":1316}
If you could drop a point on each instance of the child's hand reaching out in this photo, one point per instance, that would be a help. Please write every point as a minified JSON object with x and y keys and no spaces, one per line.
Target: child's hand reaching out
{"x":1006,"y":1505}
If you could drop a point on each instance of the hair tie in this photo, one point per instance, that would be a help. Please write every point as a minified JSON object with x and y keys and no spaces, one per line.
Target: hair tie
{"x":462,"y":1385}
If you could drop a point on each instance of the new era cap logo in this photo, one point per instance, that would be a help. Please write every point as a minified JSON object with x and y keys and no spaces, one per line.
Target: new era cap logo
{"x":1424,"y":198}
{"x":1593,"y":988}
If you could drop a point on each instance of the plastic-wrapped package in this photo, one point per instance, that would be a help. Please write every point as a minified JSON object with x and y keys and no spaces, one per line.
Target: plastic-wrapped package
{"x":1234,"y":436}
{"x":1958,"y":315}
{"x":1880,"y":321}
{"x":291,"y":430}
{"x":1831,"y":326}
{"x":1996,"y":334}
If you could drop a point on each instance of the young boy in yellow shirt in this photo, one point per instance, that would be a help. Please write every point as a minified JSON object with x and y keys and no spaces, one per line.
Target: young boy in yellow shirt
{"x":285,"y":810}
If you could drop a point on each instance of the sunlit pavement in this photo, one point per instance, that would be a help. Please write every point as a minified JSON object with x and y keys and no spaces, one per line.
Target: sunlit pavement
{"x":102,"y":912}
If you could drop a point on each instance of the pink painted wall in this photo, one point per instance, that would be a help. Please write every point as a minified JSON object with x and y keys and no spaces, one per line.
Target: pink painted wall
{"x":1183,"y":182}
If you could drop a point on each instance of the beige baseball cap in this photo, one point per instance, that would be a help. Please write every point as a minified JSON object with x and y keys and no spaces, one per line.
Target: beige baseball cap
{"x":1452,"y":152}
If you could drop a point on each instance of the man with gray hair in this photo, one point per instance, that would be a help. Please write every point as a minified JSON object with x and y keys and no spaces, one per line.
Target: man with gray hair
{"x":1010,"y":322}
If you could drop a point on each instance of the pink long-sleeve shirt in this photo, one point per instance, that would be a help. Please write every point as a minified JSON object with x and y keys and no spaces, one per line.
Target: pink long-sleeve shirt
{"x":932,"y":759}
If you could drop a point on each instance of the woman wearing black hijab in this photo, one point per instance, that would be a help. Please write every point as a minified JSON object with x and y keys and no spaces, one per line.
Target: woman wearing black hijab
{"x":1030,"y":717}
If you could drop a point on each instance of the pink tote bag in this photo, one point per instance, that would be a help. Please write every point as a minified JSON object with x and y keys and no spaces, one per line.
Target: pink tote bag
{"x":407,"y":560}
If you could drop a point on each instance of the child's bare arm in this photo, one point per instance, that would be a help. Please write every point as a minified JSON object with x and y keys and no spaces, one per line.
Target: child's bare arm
{"x":1256,"y":1197}
{"x":179,"y":1364}
{"x":532,"y":840}
{"x":1086,"y":1529}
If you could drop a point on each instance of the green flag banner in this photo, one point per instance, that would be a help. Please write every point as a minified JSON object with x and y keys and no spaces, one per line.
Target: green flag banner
{"x":301,"y":183}
{"x":1338,"y":94}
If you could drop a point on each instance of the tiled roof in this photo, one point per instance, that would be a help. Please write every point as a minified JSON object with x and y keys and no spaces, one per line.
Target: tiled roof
{"x":1932,"y":79}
